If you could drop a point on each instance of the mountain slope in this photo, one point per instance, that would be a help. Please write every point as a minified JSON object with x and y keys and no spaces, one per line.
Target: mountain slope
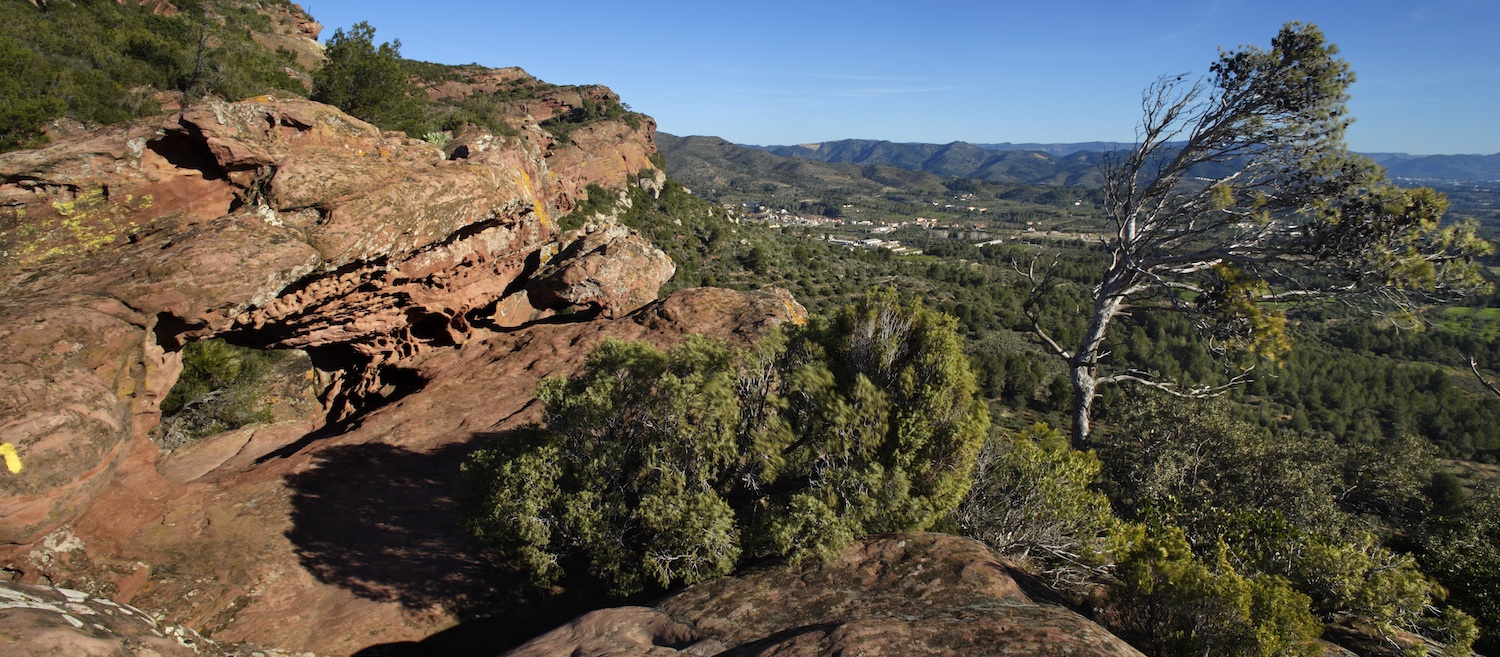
{"x":713,"y":166}
{"x":105,"y":62}
{"x":1449,"y":167}
{"x":954,"y":160}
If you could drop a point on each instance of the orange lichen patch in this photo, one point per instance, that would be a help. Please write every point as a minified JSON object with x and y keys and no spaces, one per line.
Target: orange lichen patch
{"x":799,"y":316}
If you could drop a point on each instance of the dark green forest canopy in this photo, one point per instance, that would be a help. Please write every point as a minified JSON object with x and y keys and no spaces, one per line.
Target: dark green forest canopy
{"x":1348,"y":374}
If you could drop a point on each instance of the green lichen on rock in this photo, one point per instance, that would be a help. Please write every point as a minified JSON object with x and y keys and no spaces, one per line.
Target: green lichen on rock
{"x":78,"y":226}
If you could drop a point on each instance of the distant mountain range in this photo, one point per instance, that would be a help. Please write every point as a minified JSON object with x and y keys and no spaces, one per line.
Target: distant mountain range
{"x":714,"y":166}
{"x":1462,"y":168}
{"x":1076,"y":163}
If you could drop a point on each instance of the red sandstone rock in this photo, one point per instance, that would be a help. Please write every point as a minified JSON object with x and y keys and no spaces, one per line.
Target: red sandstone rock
{"x":42,"y":621}
{"x":159,"y":7}
{"x":910,"y":594}
{"x":476,"y":80}
{"x":619,"y":632}
{"x":284,"y":222}
{"x":609,"y":266}
{"x":352,"y":540}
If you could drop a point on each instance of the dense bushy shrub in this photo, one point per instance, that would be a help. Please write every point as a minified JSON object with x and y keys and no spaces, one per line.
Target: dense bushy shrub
{"x":1459,"y":543}
{"x":1274,"y":506}
{"x":1171,"y":602}
{"x":660,"y":469}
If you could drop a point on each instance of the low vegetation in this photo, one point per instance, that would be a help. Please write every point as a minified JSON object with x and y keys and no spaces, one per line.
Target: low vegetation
{"x":224,"y":387}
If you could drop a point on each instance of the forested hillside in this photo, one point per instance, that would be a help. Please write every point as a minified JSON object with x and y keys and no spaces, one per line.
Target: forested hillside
{"x":1074,"y":164}
{"x":104,"y":62}
{"x":1377,"y":411}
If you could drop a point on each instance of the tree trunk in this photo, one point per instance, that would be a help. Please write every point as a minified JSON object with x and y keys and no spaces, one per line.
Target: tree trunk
{"x":1083,"y":403}
{"x":1083,"y":365}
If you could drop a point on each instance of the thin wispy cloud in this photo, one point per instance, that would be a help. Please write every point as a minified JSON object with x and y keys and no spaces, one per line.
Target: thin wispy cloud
{"x":1208,"y":13}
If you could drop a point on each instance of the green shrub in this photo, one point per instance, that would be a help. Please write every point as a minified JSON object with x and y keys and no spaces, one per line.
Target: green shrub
{"x":661,"y":469}
{"x":1170,"y":603}
{"x":1271,"y":505}
{"x":1461,"y":548}
{"x":220,"y":389}
{"x":370,"y":81}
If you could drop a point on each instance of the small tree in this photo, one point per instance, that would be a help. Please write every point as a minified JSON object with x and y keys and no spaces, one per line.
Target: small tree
{"x":1240,"y":191}
{"x":369,"y":81}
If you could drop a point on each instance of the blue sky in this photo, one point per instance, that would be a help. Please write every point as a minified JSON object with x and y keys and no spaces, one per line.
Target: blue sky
{"x":784,"y":72}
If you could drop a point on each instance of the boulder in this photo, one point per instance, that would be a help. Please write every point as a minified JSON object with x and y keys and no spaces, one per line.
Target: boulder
{"x":609,"y":267}
{"x":907,"y":594}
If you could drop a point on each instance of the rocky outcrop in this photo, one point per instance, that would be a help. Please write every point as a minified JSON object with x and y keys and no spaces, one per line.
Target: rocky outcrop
{"x":273,"y":222}
{"x":918,"y":594}
{"x":596,"y":152}
{"x":473,"y":79}
{"x":351,"y":540}
{"x":283,"y":223}
{"x":430,"y":292}
{"x":293,"y":30}
{"x":158,"y":7}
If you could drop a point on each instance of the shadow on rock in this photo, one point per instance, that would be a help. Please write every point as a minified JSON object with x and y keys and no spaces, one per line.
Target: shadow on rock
{"x":380,"y":520}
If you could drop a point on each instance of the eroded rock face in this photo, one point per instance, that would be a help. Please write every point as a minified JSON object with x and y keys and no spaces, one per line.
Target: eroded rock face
{"x":292,"y":29}
{"x":910,"y":594}
{"x":159,"y":7}
{"x":272,"y":222}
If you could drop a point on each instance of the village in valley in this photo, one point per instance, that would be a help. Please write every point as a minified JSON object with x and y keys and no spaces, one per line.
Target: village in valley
{"x":968,"y":223}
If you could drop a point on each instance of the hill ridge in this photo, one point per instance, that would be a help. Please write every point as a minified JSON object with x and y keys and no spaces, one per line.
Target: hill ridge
{"x":947,"y":159}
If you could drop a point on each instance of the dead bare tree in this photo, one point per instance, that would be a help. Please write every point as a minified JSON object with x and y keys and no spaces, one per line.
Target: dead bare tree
{"x":1240,"y":191}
